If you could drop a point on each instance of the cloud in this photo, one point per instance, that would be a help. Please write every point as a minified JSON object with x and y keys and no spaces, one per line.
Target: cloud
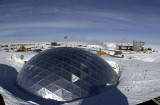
{"x":101,"y":18}
{"x":109,"y":15}
{"x":39,"y":27}
{"x":50,"y":27}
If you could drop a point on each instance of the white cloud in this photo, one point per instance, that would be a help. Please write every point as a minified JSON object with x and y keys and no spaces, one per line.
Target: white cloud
{"x":32,"y":27}
{"x":109,"y":15}
{"x":66,"y":24}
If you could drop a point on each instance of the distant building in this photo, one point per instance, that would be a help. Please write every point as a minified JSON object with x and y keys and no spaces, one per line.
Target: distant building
{"x":138,"y":45}
{"x":37,"y":50}
{"x":121,"y":47}
{"x":54,"y":44}
{"x":3,"y":46}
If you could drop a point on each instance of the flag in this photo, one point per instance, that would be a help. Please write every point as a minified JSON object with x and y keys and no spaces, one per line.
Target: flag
{"x":65,"y":37}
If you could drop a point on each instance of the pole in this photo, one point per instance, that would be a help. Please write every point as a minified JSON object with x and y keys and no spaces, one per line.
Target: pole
{"x":66,"y":38}
{"x":67,"y":42}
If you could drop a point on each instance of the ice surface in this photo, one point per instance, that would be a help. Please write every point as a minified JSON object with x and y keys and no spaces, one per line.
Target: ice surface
{"x":139,"y":82}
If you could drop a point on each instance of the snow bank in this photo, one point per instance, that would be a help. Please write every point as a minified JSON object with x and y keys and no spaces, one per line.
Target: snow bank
{"x":115,"y":66}
{"x":111,"y":46}
{"x":95,"y":46}
{"x":116,"y":73}
{"x":17,"y":57}
{"x":144,"y":57}
{"x":7,"y":85}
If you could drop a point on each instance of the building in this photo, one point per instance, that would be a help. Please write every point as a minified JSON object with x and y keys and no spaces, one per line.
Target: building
{"x":138,"y":45}
{"x":54,"y":44}
{"x":121,"y":47}
{"x":65,"y":74}
{"x":37,"y":50}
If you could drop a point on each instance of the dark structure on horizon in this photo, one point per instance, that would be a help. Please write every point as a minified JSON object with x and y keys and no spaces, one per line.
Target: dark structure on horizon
{"x":137,"y":46}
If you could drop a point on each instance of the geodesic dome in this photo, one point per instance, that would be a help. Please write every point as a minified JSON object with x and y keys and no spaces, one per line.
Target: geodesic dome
{"x":65,"y":74}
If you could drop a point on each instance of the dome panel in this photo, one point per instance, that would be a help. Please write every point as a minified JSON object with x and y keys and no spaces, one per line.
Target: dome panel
{"x":65,"y":74}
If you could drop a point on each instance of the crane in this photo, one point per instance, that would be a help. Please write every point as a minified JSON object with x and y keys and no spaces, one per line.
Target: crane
{"x":126,"y":42}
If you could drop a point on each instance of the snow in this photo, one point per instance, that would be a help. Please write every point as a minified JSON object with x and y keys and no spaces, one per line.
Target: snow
{"x":115,"y":66}
{"x":144,"y":57}
{"x":20,"y":62}
{"x":111,"y":46}
{"x":138,"y":82}
{"x":139,"y":77}
{"x":94,"y":46}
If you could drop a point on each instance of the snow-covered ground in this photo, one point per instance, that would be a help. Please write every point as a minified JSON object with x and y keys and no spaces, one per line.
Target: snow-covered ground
{"x":139,"y":77}
{"x":138,"y":82}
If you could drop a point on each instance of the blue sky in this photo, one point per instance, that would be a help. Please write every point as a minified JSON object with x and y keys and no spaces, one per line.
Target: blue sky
{"x":104,"y":20}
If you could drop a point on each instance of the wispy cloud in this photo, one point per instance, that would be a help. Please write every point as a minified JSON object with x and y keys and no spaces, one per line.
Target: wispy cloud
{"x":90,"y":17}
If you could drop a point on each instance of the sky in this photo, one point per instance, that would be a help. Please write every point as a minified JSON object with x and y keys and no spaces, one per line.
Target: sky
{"x":80,"y":20}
